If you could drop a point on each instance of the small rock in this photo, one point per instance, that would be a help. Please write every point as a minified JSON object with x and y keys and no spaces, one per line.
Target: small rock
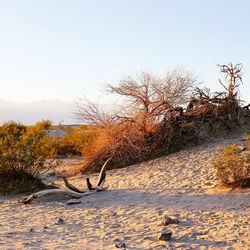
{"x":167,"y":221}
{"x":112,"y":214}
{"x":31,"y":230}
{"x":165,"y":235}
{"x":60,"y":221}
{"x":119,"y":244}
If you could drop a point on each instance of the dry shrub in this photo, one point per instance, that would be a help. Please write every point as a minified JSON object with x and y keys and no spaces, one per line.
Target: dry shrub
{"x":128,"y":135}
{"x":175,"y":134}
{"x":44,"y":125}
{"x":123,"y":142}
{"x":233,"y":166}
{"x":223,"y":104}
{"x":213,"y":104}
{"x":23,"y":152}
{"x":152,"y":120}
{"x":127,"y":144}
{"x":73,"y":143}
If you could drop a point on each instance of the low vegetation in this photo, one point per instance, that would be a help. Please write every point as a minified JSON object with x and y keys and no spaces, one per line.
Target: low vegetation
{"x":160,"y":115}
{"x":24,"y":152}
{"x":233,"y":165}
{"x":44,"y":125}
{"x":157,"y":116}
{"x":73,"y":142}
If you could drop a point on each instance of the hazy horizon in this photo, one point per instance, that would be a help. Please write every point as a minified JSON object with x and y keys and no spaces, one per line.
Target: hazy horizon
{"x":57,"y":111}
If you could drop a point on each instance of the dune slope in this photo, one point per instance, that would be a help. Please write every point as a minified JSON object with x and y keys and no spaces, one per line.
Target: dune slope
{"x":181,"y":185}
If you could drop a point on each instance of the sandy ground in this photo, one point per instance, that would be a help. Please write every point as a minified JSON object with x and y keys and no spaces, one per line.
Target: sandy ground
{"x":181,"y":185}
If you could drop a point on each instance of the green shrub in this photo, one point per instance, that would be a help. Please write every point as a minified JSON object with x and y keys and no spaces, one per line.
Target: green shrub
{"x":232,"y":166}
{"x":44,"y":125}
{"x":74,"y":142}
{"x":23,"y":151}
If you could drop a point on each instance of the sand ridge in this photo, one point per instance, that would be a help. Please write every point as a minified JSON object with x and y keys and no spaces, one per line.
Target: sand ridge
{"x":181,"y":185}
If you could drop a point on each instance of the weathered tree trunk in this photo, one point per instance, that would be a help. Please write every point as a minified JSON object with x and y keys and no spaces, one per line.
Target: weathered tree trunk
{"x":72,"y":191}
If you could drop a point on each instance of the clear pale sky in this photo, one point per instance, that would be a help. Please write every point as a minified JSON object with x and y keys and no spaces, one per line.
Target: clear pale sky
{"x":63,"y":49}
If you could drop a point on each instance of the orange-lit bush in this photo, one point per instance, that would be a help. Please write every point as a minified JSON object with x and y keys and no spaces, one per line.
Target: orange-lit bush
{"x":125,"y":143}
{"x":159,"y":115}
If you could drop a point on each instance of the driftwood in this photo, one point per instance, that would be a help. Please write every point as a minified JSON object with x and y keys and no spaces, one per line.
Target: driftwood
{"x":71,"y":190}
{"x":247,"y":107}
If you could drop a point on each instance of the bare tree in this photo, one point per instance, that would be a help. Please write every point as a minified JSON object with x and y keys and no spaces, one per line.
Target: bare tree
{"x":148,"y":97}
{"x":233,"y":75}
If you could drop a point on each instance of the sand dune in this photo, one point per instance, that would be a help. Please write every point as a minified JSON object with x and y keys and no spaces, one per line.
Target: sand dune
{"x":181,"y":185}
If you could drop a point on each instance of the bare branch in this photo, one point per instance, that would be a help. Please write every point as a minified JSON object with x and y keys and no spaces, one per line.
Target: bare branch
{"x":102,"y":174}
{"x":89,"y":185}
{"x":149,"y":97}
{"x":92,"y":114}
{"x":72,"y":191}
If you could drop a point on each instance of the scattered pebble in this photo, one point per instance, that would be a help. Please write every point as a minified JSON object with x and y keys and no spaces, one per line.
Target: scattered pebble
{"x":60,"y":221}
{"x":119,"y":244}
{"x":165,"y":235}
{"x":112,"y":214}
{"x":167,"y":221}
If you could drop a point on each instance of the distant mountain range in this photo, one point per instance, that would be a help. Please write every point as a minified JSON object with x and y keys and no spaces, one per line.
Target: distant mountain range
{"x":57,"y":111}
{"x":29,"y":113}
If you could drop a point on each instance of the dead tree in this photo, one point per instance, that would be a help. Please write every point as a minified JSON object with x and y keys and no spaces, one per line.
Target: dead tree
{"x":233,"y":75}
{"x":148,"y":97}
{"x":71,"y":190}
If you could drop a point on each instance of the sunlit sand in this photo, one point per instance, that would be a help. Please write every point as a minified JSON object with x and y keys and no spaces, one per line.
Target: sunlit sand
{"x":181,"y":185}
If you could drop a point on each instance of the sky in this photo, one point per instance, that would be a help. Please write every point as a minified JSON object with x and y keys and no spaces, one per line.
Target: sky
{"x":66,"y":49}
